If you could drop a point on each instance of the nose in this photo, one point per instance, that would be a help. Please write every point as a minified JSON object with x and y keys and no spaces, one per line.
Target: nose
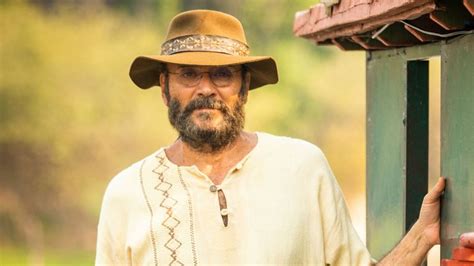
{"x":206,"y":87}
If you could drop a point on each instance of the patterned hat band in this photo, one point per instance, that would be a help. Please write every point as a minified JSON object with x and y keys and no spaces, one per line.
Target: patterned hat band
{"x":204,"y":43}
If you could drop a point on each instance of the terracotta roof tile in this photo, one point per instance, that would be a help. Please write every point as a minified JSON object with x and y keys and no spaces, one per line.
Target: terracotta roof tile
{"x":350,"y":23}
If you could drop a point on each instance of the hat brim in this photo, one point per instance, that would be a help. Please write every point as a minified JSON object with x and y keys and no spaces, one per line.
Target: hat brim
{"x":145,"y":70}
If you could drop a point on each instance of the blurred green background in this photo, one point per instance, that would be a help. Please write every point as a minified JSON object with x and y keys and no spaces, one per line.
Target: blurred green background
{"x":70,"y":118}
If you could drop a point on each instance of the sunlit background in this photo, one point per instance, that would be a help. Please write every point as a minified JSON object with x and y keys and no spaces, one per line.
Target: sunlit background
{"x":70,"y":118}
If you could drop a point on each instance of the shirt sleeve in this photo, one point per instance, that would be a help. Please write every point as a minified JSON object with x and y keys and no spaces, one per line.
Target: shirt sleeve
{"x":111,"y":246}
{"x":342,"y":244}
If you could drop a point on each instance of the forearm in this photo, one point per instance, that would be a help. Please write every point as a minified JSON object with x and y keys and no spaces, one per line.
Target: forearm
{"x":411,"y":250}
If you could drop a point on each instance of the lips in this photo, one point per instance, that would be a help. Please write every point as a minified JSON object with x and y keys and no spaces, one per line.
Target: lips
{"x":206,"y":109}
{"x":206,"y":103}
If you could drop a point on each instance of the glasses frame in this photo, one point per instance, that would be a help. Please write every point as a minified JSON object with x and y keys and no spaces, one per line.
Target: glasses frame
{"x":201,"y":74}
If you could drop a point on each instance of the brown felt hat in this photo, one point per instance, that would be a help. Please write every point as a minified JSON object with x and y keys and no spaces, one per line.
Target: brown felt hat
{"x":206,"y":38}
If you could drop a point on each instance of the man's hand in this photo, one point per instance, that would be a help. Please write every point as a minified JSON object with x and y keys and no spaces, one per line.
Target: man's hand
{"x":425,"y":232}
{"x":423,"y":235}
{"x":429,"y":218}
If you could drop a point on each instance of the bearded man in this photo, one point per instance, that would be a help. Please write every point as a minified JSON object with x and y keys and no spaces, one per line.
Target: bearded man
{"x":219,"y":194}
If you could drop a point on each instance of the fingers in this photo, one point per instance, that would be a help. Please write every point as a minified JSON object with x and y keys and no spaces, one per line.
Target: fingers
{"x":436,"y":191}
{"x":467,"y":240}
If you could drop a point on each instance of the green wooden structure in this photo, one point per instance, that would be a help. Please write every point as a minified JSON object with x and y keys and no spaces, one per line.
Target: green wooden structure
{"x":399,"y":37}
{"x":397,"y":140}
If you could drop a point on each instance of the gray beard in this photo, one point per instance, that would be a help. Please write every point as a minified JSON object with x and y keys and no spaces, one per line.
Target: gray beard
{"x":207,"y":140}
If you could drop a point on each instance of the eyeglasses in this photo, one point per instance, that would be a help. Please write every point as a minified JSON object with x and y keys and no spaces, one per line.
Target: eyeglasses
{"x":220,"y":76}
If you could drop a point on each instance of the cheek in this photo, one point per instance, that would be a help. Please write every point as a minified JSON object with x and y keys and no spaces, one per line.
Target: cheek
{"x":233,"y":101}
{"x":180,"y":93}
{"x":231,"y":93}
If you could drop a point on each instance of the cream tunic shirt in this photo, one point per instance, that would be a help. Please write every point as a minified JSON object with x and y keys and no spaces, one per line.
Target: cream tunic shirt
{"x":284,"y":207}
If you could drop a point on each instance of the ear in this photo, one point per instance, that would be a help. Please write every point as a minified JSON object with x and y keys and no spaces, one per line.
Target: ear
{"x":163,"y":88}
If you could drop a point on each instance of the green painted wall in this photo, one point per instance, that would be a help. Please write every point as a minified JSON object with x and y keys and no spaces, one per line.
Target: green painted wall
{"x":457,"y":140}
{"x":385,"y":153}
{"x":397,"y":135}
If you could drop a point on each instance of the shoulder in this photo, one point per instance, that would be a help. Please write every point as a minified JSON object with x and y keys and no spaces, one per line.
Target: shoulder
{"x":126,"y":184}
{"x":294,"y":155}
{"x":288,"y":146}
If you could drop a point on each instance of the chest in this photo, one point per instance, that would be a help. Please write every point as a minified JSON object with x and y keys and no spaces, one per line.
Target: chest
{"x":267,"y":220}
{"x":217,"y":172}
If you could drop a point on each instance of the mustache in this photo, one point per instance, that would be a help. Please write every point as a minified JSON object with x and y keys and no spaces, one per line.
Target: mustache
{"x":205,"y":102}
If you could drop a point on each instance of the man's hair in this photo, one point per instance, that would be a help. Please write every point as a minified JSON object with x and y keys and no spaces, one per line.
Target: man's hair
{"x":243,"y":71}
{"x":164,"y":71}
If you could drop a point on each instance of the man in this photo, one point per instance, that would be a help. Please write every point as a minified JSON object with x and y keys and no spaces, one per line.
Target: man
{"x":219,"y":194}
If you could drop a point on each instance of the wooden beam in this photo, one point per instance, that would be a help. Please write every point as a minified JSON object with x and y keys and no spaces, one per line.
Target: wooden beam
{"x":469,"y":5}
{"x":346,"y":44}
{"x":325,"y":42}
{"x":419,"y":35}
{"x":425,"y":23}
{"x":396,"y":35}
{"x":451,"y":15}
{"x":368,"y":43}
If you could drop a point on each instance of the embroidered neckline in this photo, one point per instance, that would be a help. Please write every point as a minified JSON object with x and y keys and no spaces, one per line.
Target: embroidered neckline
{"x":161,"y":153}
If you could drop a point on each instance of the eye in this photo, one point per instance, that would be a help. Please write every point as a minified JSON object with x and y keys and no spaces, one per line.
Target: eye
{"x":188,"y":73}
{"x":222,"y":73}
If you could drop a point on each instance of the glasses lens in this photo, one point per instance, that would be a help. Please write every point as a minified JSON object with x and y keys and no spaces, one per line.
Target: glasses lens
{"x":222,"y":76}
{"x":189,"y":76}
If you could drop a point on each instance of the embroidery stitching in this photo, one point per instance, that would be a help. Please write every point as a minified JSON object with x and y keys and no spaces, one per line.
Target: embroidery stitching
{"x":191,"y":223}
{"x":168,"y":203}
{"x":152,"y":234}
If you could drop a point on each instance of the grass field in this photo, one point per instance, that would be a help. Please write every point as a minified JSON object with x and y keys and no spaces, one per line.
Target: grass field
{"x":20,"y":256}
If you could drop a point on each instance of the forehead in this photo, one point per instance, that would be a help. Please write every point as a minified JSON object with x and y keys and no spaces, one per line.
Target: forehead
{"x":172,"y":67}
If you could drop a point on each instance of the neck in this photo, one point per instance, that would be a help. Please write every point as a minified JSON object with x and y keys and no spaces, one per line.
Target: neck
{"x":184,"y":154}
{"x":214,"y":164}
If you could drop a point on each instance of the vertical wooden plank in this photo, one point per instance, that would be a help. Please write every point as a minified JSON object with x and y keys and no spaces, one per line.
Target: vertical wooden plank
{"x":417,"y":139}
{"x":386,"y":106}
{"x":457,"y":140}
{"x":397,"y":146}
